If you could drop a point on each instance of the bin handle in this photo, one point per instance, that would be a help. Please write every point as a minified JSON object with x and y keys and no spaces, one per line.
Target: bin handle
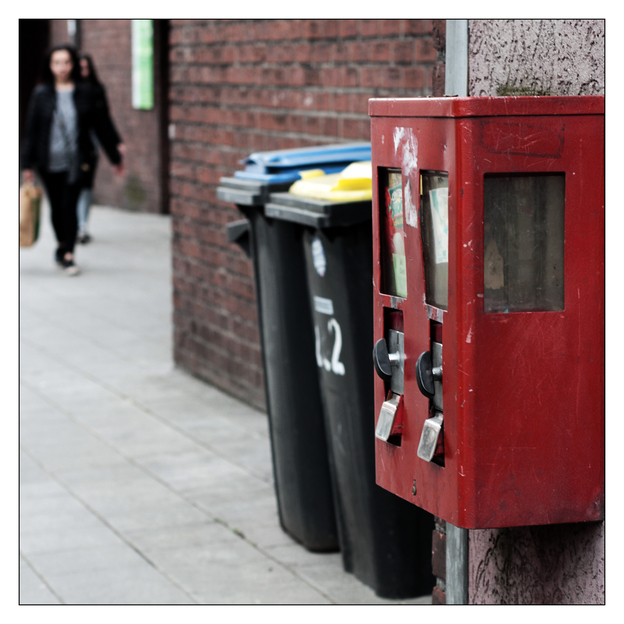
{"x":238,"y":232}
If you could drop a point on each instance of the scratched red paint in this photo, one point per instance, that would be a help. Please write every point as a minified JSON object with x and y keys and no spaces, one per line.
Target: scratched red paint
{"x":524,"y":391}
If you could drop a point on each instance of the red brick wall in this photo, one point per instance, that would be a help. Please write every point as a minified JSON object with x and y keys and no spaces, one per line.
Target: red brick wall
{"x":110,"y":44}
{"x":240,"y":86}
{"x":59,"y":33}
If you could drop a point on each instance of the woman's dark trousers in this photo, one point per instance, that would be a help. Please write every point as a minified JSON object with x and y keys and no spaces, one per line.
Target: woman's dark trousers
{"x":63,"y":201}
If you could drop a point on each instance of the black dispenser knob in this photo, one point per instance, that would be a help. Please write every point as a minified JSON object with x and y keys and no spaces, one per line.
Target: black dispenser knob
{"x":381,"y":359}
{"x":424,"y":374}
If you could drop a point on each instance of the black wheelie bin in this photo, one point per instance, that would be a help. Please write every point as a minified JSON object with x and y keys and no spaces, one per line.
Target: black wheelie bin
{"x":385,"y":541}
{"x":298,"y":440}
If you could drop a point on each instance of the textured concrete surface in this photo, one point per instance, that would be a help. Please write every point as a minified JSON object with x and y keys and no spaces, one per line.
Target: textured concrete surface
{"x":138,"y":483}
{"x":562,"y":57}
{"x":549,"y":565}
{"x":559,"y":564}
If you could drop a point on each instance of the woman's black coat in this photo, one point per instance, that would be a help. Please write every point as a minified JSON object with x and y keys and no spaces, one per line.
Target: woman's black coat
{"x":92,"y":114}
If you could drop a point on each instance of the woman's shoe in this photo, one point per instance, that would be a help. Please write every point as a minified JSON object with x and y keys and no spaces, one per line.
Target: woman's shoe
{"x":70,"y":268}
{"x":58,"y":257}
{"x":83,"y":237}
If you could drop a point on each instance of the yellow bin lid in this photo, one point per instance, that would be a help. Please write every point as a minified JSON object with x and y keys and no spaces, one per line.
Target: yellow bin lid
{"x":354,"y":183}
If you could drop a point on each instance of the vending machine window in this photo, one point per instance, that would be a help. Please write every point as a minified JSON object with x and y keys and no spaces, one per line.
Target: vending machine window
{"x":523,"y":242}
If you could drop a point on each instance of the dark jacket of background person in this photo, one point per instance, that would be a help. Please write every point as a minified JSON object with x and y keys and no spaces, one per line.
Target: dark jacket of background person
{"x":100,"y":94}
{"x":107,"y":125}
{"x":92,"y":114}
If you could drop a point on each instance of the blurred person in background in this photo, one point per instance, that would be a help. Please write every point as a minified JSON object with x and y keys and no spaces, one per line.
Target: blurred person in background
{"x":62,"y":113}
{"x":89,"y":74}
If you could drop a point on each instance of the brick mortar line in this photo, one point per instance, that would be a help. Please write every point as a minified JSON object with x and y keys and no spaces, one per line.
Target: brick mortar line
{"x":208,"y":303}
{"x":332,"y":90}
{"x":190,"y":278}
{"x":308,"y":65}
{"x":267,"y":132}
{"x":281,"y":110}
{"x":178,"y":273}
{"x":226,"y":314}
{"x":201,"y":264}
{"x":255,"y":41}
{"x":279,"y":134}
{"x":285,"y":112}
{"x":223,"y":351}
{"x":295,"y":88}
{"x":270,"y":111}
{"x":259,"y":42}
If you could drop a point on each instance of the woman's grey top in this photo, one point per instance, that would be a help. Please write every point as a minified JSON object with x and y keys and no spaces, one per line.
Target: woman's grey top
{"x":64,"y":134}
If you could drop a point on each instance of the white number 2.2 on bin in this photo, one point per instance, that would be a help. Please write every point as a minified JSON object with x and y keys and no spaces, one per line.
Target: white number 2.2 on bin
{"x":335,"y":365}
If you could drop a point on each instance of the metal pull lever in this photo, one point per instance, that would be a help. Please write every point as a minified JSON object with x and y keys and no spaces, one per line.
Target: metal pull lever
{"x":427,"y":377}
{"x":387,"y":416}
{"x":383,"y":360}
{"x":430,"y":437}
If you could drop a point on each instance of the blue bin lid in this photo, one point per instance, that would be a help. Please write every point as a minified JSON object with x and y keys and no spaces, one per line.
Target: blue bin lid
{"x":287,"y":175}
{"x":307,"y":156}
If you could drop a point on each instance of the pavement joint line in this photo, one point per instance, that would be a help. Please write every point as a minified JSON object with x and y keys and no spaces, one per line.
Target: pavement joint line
{"x":118,"y":353}
{"x":240,"y":534}
{"x":104,"y":521}
{"x":292,"y":569}
{"x":153,"y":369}
{"x":191,"y":502}
{"x":33,"y":567}
{"x":146,"y":409}
{"x":128,"y":458}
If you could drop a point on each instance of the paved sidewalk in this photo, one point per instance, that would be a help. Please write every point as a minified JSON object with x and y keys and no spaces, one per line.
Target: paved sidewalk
{"x":138,"y":483}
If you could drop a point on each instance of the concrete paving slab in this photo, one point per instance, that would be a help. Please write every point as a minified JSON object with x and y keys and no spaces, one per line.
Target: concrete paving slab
{"x":31,"y":473}
{"x":196,"y":469}
{"x":344,"y":588}
{"x":138,"y":584}
{"x":72,"y":449}
{"x":226,"y":569}
{"x":104,"y":416}
{"x":59,"y":536}
{"x":84,"y":560}
{"x":140,"y":434}
{"x":152,"y":540}
{"x":51,"y":518}
{"x":268,"y":533}
{"x":53,"y":503}
{"x":124,"y":514}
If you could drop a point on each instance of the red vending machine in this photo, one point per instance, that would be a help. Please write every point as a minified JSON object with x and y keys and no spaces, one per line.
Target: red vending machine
{"x":488,"y":271}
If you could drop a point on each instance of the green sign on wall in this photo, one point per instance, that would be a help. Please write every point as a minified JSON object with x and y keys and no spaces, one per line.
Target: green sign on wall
{"x":142,"y":64}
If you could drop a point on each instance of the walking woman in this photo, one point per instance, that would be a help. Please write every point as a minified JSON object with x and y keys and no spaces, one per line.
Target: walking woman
{"x":88,"y":73}
{"x":57,"y":143}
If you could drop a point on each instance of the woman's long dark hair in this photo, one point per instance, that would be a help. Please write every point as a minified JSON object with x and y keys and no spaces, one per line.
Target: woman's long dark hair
{"x":47,"y":77}
{"x":92,"y":77}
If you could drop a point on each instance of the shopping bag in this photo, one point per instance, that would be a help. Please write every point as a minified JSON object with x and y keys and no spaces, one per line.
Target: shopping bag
{"x":30,"y":214}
